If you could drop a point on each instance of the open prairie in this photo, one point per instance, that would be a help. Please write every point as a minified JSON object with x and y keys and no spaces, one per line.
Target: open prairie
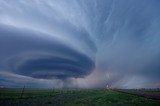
{"x":75,"y":97}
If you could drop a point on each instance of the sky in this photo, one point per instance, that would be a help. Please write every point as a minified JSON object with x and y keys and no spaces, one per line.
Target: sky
{"x":80,"y":43}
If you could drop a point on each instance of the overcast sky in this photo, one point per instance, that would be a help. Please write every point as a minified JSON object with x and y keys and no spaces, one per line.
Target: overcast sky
{"x":80,"y":43}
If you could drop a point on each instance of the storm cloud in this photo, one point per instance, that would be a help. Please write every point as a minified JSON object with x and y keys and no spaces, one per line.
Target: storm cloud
{"x":80,"y":43}
{"x":27,"y":53}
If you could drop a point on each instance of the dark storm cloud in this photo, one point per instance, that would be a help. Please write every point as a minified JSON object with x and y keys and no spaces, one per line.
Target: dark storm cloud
{"x":46,"y":39}
{"x":24,"y":52}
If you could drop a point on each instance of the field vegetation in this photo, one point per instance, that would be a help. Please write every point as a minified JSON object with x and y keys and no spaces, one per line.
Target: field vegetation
{"x":73,"y":97}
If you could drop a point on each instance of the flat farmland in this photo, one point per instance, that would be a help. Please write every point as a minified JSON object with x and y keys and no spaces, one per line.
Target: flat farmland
{"x":74,"y":97}
{"x":147,"y":93}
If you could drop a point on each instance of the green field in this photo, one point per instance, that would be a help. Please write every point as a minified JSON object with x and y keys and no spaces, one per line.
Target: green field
{"x":76,"y":97}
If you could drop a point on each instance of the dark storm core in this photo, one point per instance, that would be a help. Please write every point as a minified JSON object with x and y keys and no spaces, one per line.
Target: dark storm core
{"x":58,"y":61}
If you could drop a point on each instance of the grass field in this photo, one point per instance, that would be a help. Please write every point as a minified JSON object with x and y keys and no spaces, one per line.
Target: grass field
{"x":76,"y":97}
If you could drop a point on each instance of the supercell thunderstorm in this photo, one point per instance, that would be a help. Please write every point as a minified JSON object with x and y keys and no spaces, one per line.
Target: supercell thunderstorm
{"x":80,"y":43}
